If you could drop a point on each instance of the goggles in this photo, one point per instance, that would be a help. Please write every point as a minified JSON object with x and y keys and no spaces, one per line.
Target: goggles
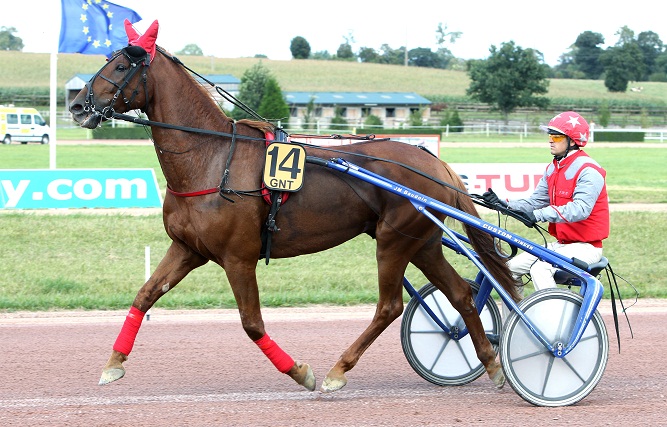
{"x":557,"y":138}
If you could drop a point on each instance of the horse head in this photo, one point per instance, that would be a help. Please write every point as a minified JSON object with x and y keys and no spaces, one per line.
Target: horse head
{"x":115,"y":88}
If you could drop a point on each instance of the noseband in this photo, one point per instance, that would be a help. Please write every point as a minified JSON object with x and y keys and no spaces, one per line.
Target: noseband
{"x":137,"y":63}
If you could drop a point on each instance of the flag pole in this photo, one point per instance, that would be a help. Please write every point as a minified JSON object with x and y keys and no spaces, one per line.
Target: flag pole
{"x":53,"y":95}
{"x":53,"y":110}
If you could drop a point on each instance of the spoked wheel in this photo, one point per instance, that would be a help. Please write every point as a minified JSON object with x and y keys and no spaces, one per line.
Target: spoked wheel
{"x":430,"y":351}
{"x":537,"y":375}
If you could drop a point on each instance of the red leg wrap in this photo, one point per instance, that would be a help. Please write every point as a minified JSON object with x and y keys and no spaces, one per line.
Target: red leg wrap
{"x":281,"y":360}
{"x":128,"y":333}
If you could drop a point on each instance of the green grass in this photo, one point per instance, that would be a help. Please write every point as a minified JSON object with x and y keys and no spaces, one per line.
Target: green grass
{"x":634,"y":175}
{"x":97,"y":262}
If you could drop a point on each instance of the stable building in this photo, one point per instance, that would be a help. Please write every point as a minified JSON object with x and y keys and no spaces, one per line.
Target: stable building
{"x":393,"y":108}
{"x":225,"y":81}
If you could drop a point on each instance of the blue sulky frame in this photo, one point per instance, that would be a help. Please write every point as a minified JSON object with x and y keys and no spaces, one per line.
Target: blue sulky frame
{"x":591,"y":288}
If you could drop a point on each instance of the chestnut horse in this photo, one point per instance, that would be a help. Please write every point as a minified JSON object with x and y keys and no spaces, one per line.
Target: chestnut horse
{"x":330,"y":208}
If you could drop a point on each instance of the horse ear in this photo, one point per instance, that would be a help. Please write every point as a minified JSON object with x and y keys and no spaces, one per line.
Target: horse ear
{"x":146,"y":40}
{"x":132,"y":35}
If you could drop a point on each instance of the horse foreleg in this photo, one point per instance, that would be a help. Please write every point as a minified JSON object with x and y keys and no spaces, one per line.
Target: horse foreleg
{"x":439,"y":272}
{"x":176,"y":264}
{"x":244,"y":285}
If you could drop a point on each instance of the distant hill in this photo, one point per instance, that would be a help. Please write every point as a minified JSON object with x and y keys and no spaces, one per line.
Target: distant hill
{"x":32,"y":70}
{"x":28,"y":73}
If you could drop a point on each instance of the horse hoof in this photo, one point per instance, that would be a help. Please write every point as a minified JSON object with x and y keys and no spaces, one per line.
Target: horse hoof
{"x":303,"y":374}
{"x":333,"y":384}
{"x":111,"y":375}
{"x":499,"y":379}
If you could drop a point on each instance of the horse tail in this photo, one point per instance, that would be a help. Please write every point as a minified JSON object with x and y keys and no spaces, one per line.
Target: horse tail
{"x":482,"y":242}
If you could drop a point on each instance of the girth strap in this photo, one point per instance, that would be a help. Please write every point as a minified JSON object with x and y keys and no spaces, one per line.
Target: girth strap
{"x":270,"y":226}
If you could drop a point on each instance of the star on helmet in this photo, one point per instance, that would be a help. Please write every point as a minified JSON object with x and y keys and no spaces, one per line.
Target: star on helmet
{"x":574,"y":121}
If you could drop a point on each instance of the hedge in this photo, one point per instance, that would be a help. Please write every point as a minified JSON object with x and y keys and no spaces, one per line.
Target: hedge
{"x":612,"y":136}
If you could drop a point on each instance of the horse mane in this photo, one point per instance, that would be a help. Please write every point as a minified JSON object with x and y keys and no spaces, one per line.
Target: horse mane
{"x":264,"y":127}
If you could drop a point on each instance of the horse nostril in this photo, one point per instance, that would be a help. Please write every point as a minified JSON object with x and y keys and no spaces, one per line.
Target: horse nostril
{"x":75,"y":108}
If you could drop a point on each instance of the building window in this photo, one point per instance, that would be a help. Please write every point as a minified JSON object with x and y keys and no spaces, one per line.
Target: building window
{"x":293,"y":112}
{"x":318,"y":111}
{"x":391,"y":113}
{"x":365,"y":111}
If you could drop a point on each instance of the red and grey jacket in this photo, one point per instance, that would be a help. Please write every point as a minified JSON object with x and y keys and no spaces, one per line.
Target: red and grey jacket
{"x":572,"y":197}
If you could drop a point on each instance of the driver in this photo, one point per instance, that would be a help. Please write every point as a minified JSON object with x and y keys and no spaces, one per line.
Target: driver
{"x":571,"y":196}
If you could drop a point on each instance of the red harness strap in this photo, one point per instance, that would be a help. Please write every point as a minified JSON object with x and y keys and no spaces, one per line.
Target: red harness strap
{"x":194,"y":193}
{"x":266,"y":193}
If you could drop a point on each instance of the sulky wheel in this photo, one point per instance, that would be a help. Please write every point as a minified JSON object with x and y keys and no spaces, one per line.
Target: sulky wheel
{"x":430,"y":351}
{"x":537,"y":375}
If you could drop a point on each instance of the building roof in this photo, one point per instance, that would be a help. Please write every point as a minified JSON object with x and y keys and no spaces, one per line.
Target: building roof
{"x":356,"y":98}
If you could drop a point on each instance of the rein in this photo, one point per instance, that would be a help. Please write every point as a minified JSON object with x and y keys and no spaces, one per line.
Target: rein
{"x":142,"y":62}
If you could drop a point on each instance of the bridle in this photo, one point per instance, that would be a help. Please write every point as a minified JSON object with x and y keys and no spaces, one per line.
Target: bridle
{"x":137,"y":63}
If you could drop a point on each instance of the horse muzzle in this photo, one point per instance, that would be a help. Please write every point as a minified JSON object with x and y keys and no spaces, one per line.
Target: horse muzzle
{"x":89,"y":120}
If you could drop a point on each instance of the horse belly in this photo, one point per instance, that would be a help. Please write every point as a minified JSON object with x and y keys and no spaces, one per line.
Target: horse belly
{"x":303,"y":230}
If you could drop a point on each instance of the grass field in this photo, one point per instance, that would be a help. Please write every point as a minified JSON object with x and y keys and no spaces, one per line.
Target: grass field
{"x":32,"y":70}
{"x":97,"y":261}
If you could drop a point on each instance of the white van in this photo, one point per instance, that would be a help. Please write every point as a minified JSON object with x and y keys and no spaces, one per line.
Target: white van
{"x":22,"y":125}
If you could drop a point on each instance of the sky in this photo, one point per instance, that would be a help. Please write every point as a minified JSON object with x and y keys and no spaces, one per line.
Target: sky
{"x":246,"y":28}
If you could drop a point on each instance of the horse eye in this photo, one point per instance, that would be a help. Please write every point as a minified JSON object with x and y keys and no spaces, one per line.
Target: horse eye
{"x":121,"y":67}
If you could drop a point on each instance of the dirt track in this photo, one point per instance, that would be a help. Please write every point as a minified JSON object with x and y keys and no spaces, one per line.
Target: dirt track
{"x":197,"y":368}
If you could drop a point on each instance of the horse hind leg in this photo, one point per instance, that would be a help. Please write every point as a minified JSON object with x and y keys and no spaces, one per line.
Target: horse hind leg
{"x":391,"y":268}
{"x":175,"y":265}
{"x":431,"y":261}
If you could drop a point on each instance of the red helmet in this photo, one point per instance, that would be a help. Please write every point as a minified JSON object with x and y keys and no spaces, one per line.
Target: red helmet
{"x":571,"y":124}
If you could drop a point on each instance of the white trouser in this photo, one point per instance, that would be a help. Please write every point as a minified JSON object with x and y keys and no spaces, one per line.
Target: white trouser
{"x":542,"y":273}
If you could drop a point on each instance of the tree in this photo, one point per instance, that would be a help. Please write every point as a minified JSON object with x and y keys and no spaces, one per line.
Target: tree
{"x":345,"y":52}
{"x":623,"y":62}
{"x":300,"y":48}
{"x":453,"y":120}
{"x":8,"y":41}
{"x":322,"y":55}
{"x":373,"y":121}
{"x":587,"y":54}
{"x":416,"y":118}
{"x":442,"y":34}
{"x":273,"y":105}
{"x":510,"y":78}
{"x":251,"y":89}
{"x":424,"y":57}
{"x":660,"y":74}
{"x":368,"y":54}
{"x":338,"y":121}
{"x":308,"y":114}
{"x":651,"y":46}
{"x":191,"y":49}
{"x":391,"y":56}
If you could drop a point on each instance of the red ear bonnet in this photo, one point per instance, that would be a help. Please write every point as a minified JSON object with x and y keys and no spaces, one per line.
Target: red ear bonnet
{"x":146,"y":40}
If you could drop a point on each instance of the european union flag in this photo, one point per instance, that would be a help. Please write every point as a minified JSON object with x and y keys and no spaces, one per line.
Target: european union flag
{"x":94,"y":27}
